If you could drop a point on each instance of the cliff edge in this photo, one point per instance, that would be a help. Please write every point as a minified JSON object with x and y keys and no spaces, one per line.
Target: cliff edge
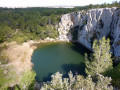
{"x":87,"y":25}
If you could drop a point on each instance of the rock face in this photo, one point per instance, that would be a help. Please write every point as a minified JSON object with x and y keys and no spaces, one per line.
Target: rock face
{"x":92,"y":24}
{"x":64,"y":26}
{"x":115,"y":33}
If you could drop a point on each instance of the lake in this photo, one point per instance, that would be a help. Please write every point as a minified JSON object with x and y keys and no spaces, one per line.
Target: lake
{"x":50,"y":58}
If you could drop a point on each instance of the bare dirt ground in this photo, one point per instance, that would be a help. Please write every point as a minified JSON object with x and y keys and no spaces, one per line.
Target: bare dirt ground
{"x":19,"y":57}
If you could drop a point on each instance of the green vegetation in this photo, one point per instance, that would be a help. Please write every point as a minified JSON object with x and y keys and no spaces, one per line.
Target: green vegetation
{"x":77,"y":82}
{"x":23,"y":24}
{"x":27,"y":82}
{"x":36,"y":23}
{"x":21,"y":37}
{"x":26,"y":24}
{"x":28,"y":79}
{"x":3,"y":57}
{"x":6,"y":77}
{"x":91,"y":6}
{"x":5,"y":33}
{"x":115,"y":75}
{"x":100,"y":61}
{"x":3,"y":80}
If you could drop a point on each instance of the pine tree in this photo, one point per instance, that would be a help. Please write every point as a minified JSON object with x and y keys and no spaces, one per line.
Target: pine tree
{"x":100,"y":61}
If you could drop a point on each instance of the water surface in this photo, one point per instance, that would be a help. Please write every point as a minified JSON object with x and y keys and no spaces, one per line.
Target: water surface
{"x":49,"y":58}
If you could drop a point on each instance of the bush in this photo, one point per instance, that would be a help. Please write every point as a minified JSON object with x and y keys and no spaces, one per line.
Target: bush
{"x":2,"y":78}
{"x":21,"y":37}
{"x":28,"y":79}
{"x":115,"y":75}
{"x":5,"y":33}
{"x":77,"y":82}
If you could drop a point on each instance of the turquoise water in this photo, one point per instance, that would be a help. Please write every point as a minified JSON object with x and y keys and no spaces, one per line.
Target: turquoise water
{"x":49,"y":58}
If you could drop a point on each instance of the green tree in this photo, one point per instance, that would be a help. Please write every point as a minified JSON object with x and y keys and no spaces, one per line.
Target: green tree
{"x":5,"y":33}
{"x":100,"y":61}
{"x":27,"y":79}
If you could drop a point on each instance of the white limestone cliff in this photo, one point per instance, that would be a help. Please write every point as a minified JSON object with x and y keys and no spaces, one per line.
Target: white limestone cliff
{"x":115,"y":33}
{"x":92,"y":24}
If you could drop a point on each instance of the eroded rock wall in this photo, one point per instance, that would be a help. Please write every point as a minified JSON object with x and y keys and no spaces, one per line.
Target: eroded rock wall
{"x":92,"y":24}
{"x":115,"y":33}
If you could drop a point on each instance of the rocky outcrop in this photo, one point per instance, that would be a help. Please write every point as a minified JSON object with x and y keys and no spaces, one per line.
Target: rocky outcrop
{"x":92,"y":24}
{"x":64,"y":26}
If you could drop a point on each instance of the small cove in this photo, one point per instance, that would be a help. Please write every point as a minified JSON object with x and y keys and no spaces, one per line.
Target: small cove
{"x":49,"y":58}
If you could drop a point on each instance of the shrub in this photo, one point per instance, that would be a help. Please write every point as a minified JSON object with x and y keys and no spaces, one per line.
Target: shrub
{"x":115,"y":75}
{"x":77,"y":82}
{"x":27,"y":80}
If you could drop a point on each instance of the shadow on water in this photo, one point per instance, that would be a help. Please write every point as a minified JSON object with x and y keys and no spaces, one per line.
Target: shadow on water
{"x":75,"y":68}
{"x":45,"y":79}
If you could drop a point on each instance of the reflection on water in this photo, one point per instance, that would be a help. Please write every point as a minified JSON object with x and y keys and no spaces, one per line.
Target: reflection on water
{"x":49,"y":58}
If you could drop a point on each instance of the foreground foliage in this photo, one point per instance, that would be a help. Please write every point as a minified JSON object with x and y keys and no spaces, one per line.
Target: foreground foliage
{"x":27,"y":80}
{"x":6,"y":78}
{"x":77,"y":82}
{"x":3,"y":80}
{"x":115,"y":75}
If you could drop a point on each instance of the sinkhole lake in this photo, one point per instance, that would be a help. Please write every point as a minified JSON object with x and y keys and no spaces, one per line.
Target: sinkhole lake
{"x":49,"y":58}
